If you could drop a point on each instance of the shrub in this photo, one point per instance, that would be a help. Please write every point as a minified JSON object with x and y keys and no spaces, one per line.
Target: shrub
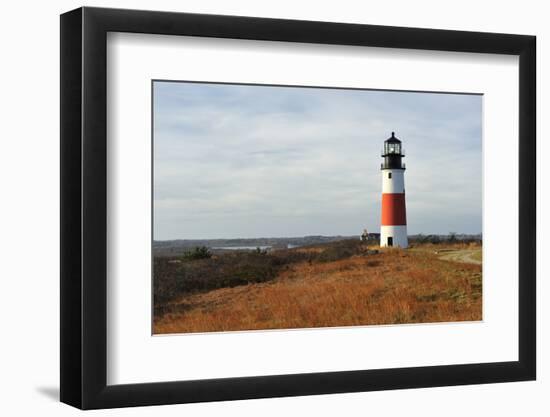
{"x":201,"y":252}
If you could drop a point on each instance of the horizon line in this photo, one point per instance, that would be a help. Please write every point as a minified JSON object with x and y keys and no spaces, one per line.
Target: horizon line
{"x":304,"y":236}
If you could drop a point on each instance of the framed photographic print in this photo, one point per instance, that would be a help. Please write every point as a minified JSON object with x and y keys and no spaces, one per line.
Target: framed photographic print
{"x":258,"y":207}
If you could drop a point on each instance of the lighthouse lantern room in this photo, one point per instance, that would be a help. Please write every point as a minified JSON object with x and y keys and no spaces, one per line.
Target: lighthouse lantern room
{"x":393,"y":229}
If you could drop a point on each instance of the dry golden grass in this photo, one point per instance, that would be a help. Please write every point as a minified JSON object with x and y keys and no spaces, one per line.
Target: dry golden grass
{"x":394,"y":286}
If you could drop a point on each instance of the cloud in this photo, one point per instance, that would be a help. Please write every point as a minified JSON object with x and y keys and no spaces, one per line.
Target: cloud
{"x":251,"y":161}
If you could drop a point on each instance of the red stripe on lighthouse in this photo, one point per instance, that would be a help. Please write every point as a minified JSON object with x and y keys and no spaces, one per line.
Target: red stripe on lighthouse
{"x":393,"y":210}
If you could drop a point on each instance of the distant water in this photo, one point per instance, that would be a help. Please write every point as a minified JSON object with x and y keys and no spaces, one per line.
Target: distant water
{"x":262,"y":247}
{"x":241,"y":247}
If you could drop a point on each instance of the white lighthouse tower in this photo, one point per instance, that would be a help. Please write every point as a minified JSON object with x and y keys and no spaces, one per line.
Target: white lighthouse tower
{"x":393,"y":229}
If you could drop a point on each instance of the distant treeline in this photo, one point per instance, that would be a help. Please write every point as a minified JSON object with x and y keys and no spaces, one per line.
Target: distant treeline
{"x":449,"y":238}
{"x":174,"y":247}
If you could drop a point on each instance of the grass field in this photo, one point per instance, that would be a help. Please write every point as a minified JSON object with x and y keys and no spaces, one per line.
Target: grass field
{"x":337,"y":284}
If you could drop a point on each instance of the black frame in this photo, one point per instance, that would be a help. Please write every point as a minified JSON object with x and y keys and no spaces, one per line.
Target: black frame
{"x":84,"y":207}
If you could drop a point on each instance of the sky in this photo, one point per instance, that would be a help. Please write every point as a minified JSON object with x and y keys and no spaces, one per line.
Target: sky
{"x":247,"y":161}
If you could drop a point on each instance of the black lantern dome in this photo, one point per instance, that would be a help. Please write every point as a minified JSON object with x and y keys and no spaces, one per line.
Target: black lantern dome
{"x":392,"y":153}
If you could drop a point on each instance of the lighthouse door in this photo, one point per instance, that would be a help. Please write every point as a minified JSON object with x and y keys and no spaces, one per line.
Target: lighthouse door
{"x":390,"y":241}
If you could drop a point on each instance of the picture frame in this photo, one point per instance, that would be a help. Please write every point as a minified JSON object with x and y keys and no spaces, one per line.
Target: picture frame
{"x":84,"y":179}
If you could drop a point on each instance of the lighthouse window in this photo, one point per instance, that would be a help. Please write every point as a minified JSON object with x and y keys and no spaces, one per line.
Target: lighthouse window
{"x":389,"y":175}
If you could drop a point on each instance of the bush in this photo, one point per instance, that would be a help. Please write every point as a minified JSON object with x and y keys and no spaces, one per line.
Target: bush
{"x":201,"y":272}
{"x":197,"y":253}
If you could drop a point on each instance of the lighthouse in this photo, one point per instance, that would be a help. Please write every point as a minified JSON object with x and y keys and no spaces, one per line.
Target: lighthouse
{"x":393,"y":229}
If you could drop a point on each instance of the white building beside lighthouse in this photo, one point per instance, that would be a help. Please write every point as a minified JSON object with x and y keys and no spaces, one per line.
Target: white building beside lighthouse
{"x":393,"y":228}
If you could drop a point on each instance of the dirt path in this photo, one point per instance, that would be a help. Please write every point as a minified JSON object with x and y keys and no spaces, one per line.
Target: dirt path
{"x":461,"y":255}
